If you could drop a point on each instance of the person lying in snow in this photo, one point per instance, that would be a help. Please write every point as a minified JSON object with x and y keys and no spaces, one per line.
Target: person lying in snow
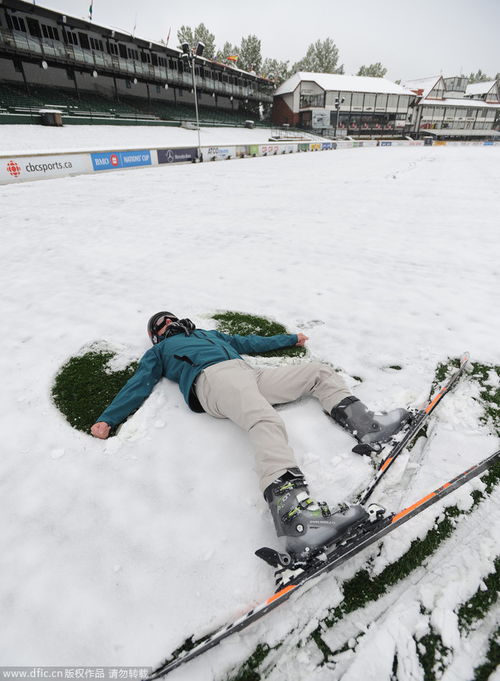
{"x":214,"y":378}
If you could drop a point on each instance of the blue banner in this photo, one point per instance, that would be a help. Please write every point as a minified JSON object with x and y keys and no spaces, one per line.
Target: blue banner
{"x":109,"y":160}
{"x":177,"y":155}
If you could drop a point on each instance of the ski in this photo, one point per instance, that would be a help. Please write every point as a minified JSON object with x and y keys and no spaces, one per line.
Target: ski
{"x":369,"y":533}
{"x":395,"y":447}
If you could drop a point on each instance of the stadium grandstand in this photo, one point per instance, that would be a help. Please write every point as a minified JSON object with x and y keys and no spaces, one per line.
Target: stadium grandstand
{"x":95,"y":74}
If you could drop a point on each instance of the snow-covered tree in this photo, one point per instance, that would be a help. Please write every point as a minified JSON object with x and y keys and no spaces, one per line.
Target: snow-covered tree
{"x":250,"y":54}
{"x":200,"y":34}
{"x":322,"y":56}
{"x":275,"y":70}
{"x":478,"y":77}
{"x":375,"y":70}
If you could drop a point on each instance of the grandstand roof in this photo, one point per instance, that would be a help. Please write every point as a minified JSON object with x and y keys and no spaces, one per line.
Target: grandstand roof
{"x":336,"y":81}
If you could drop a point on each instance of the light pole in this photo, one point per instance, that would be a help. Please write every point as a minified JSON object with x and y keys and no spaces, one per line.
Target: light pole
{"x":190,"y":54}
{"x":338,"y":102}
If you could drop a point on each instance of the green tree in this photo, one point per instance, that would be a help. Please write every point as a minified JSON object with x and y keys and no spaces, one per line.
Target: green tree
{"x":375,"y":70}
{"x":275,"y":70}
{"x":250,"y":54}
{"x":321,"y":57}
{"x":200,"y":34}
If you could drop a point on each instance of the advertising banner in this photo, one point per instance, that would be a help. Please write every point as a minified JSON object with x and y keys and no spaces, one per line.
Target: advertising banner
{"x":269,"y":149}
{"x":242,"y":151}
{"x":289,"y":148}
{"x":28,"y":168}
{"x":111,"y":160}
{"x":179,"y":155}
{"x":218,"y":153}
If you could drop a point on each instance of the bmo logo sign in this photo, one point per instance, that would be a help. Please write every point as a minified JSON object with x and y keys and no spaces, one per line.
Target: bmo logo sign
{"x":120,"y":159}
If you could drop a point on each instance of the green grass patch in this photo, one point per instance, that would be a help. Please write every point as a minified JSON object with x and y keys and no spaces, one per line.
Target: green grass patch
{"x":244,"y":324}
{"x":85,"y":386}
{"x":487,"y":376}
{"x":433,"y":655}
{"x":482,"y":601}
{"x":485,"y":670}
{"x":248,"y":671}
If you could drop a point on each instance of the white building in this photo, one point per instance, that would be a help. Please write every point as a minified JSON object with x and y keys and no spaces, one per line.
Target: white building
{"x":343,"y":105}
{"x":451,"y":108}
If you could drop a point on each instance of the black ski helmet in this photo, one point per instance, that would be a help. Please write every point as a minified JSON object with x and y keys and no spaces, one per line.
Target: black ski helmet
{"x":156,"y":323}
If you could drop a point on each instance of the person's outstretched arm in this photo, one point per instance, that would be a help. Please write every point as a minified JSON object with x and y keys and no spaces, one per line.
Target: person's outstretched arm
{"x":131,"y":396}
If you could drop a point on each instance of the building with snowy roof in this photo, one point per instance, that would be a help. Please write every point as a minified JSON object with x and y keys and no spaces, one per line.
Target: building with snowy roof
{"x":451,"y":108}
{"x":342,"y":105}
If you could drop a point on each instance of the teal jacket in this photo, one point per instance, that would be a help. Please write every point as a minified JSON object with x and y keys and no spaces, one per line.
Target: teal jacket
{"x":181,"y":358}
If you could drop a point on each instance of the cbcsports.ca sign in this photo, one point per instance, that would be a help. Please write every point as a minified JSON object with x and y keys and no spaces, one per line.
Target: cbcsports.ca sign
{"x":40,"y":167}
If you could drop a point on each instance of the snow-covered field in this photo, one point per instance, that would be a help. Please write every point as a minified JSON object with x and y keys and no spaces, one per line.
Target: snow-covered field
{"x":114,"y":551}
{"x":20,"y":139}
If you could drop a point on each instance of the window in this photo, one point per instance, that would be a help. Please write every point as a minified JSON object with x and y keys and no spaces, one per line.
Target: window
{"x":369,"y":101}
{"x":84,"y":41}
{"x":16,"y":23}
{"x":381,"y":102}
{"x":113,"y":49}
{"x":146,"y":57}
{"x":307,"y":101}
{"x":392,"y":102}
{"x":357,"y":99}
{"x":50,"y":32}
{"x":403,"y":103}
{"x":34,"y":28}
{"x":347,"y":99}
{"x":96,"y":44}
{"x":71,"y":38}
{"x":123,"y":51}
{"x":132,"y":54}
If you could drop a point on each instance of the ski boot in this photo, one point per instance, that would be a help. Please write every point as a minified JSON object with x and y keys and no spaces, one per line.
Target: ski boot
{"x":368,"y":428}
{"x":308,"y":526}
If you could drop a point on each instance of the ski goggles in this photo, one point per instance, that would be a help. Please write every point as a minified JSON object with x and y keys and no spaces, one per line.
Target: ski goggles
{"x":159,"y":323}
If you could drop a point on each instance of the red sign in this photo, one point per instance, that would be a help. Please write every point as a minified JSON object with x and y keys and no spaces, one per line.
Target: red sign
{"x":13,"y":168}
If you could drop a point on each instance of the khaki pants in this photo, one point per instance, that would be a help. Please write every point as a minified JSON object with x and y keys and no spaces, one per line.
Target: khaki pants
{"x":245,"y":395}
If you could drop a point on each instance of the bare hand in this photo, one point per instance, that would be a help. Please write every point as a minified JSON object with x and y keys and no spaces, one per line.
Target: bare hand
{"x":100,"y":429}
{"x":302,"y":339}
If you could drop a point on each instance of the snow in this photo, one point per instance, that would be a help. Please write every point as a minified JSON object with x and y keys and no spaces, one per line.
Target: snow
{"x":20,"y":139}
{"x":344,"y":83}
{"x":114,"y":551}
